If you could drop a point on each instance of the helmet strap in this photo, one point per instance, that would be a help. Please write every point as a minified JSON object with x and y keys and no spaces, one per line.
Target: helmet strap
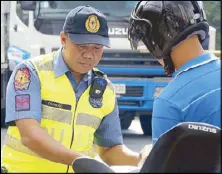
{"x":168,"y":66}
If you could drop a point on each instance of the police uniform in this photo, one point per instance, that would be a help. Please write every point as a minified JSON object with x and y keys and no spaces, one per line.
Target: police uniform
{"x":43,"y":88}
{"x":192,"y":96}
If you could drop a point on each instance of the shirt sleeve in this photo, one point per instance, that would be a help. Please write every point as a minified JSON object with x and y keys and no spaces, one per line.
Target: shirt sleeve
{"x":23,"y":98}
{"x":109,"y":132}
{"x":165,"y":116}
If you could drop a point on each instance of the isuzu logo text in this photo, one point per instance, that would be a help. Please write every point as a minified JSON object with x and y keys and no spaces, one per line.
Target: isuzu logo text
{"x":118,"y":31}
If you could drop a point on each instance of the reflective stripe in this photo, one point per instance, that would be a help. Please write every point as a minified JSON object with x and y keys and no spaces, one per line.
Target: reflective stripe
{"x":51,"y":132}
{"x":59,"y":115}
{"x":18,"y":146}
{"x":88,"y":120}
{"x":44,"y":66}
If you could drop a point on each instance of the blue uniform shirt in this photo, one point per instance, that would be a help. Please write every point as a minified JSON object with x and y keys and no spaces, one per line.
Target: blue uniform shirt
{"x":193,"y":95}
{"x":109,"y":132}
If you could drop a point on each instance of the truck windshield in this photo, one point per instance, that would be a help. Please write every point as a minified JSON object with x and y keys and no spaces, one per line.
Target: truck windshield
{"x":50,"y":15}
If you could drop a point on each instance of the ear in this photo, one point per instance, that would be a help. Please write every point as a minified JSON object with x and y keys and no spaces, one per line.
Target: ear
{"x":63,"y":39}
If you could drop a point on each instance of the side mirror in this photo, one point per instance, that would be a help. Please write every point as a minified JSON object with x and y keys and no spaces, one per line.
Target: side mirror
{"x":28,"y":5}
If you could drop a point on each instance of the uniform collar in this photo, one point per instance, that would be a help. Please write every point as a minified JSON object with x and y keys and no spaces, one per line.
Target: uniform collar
{"x":61,"y":68}
{"x":196,"y":62}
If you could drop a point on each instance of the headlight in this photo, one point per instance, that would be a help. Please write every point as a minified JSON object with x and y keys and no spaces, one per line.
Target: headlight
{"x":157,"y":91}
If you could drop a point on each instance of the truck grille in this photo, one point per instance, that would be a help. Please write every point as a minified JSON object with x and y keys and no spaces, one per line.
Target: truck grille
{"x":133,"y":91}
{"x":128,"y":103}
{"x":128,"y":59}
{"x":130,"y":64}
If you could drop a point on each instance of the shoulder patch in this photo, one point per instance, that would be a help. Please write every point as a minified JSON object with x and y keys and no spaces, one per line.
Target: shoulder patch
{"x":22,"y":79}
{"x":22,"y":102}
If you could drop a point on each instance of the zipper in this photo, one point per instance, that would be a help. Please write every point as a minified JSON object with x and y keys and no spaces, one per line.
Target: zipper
{"x":73,"y":130}
{"x":77,"y":100}
{"x":73,"y":124}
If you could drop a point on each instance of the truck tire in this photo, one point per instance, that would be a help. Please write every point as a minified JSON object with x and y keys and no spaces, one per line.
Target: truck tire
{"x":125,"y":123}
{"x":145,"y":122}
{"x":125,"y":120}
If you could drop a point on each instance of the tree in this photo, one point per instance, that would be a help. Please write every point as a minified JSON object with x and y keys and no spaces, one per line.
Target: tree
{"x":213,"y":13}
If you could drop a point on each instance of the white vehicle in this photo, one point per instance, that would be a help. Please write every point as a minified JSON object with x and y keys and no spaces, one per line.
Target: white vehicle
{"x":32,"y":28}
{"x":37,"y":32}
{"x":5,"y":13}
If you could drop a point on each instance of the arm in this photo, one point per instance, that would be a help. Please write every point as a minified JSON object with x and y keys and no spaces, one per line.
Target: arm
{"x":165,"y":116}
{"x":38,"y":140}
{"x":109,"y":140}
{"x":23,"y":109}
{"x":119,"y":155}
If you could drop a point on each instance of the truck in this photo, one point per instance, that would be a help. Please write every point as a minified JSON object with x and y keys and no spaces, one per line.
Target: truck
{"x":33,"y":28}
{"x":5,"y":14}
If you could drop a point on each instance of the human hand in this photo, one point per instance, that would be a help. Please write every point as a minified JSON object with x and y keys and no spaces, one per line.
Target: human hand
{"x":143,"y":154}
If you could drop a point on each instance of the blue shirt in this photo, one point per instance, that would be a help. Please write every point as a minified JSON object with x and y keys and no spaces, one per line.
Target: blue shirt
{"x":109,"y":132}
{"x":193,"y":95}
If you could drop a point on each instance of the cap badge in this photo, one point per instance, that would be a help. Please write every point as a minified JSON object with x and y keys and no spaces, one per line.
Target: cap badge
{"x":92,"y":24}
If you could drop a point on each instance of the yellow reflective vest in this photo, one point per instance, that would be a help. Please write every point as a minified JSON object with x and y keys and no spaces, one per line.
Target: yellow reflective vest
{"x":69,"y":122}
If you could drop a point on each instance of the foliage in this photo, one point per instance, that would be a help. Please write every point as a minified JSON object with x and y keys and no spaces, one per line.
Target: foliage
{"x":213,"y":12}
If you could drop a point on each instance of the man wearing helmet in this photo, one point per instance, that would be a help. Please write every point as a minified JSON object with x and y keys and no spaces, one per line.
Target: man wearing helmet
{"x":173,"y":32}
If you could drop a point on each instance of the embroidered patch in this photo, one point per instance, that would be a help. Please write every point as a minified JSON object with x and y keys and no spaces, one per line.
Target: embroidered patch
{"x":92,"y":24}
{"x":22,"y":79}
{"x":22,"y":102}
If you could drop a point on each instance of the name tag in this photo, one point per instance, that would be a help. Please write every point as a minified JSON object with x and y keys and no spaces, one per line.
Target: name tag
{"x":56,"y":105}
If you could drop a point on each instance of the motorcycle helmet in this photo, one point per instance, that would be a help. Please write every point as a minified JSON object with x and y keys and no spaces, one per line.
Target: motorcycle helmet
{"x":162,"y":25}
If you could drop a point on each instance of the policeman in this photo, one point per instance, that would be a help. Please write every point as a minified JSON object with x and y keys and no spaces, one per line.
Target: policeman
{"x":59,"y":106}
{"x":173,"y":32}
